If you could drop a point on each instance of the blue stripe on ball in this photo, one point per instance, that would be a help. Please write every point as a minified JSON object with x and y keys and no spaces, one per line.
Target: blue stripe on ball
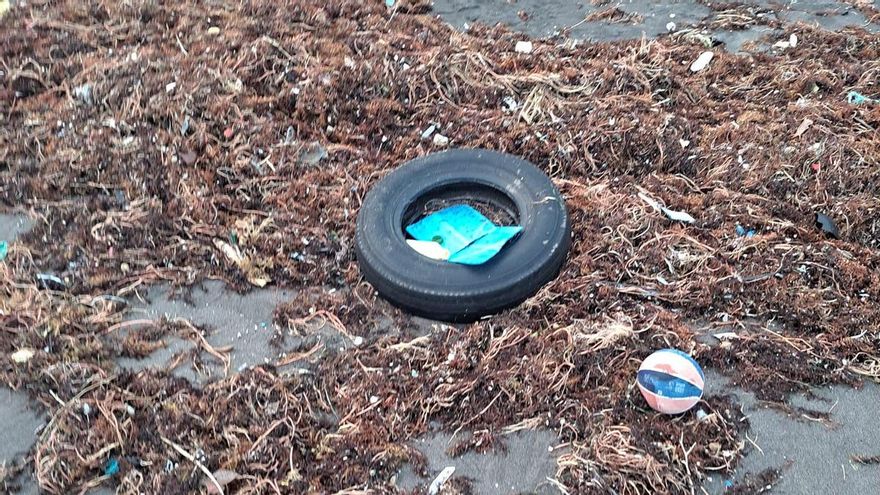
{"x":666,"y":385}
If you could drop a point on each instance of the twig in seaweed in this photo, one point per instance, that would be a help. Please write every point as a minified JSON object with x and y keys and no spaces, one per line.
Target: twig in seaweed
{"x":195,"y":461}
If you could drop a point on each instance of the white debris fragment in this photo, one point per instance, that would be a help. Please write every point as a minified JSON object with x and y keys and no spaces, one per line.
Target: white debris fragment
{"x":22,"y":355}
{"x":793,"y":40}
{"x":678,"y":216}
{"x":170,"y":87}
{"x":429,"y":249}
{"x":440,"y":140}
{"x":441,"y":478}
{"x":523,"y":47}
{"x":510,"y":104}
{"x":670,"y":26}
{"x":426,"y":134}
{"x":803,"y":127}
{"x":702,"y":61}
{"x":684,"y":143}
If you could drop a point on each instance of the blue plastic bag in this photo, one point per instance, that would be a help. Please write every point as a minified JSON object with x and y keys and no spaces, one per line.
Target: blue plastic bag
{"x":468,"y":236}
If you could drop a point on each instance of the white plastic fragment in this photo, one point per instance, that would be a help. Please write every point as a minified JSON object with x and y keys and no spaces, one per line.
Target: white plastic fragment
{"x":684,"y":143}
{"x":440,"y":140}
{"x":441,"y":478}
{"x":523,"y":47}
{"x":803,"y":127}
{"x":678,"y":216}
{"x":702,"y":61}
{"x":22,"y":355}
{"x":670,"y":26}
{"x":426,"y":134}
{"x":793,"y":40}
{"x":429,"y":249}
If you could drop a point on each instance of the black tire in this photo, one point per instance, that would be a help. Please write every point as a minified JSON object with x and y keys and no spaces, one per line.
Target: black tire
{"x":453,"y":292}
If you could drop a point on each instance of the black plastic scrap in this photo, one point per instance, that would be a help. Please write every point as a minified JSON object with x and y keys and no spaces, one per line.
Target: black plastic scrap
{"x":827,"y":225}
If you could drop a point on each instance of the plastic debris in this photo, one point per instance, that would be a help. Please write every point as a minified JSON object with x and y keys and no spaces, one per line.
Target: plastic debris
{"x":523,"y":47}
{"x":440,"y":480}
{"x":670,"y":26}
{"x":312,"y":154}
{"x":426,"y":134}
{"x":112,"y":467}
{"x":223,"y":477}
{"x":803,"y":127}
{"x":790,"y":43}
{"x":678,"y":216}
{"x":440,"y":140}
{"x":743,"y":232}
{"x":429,"y":249}
{"x":83,"y":93}
{"x":50,"y":282}
{"x":827,"y":225}
{"x":213,"y":30}
{"x":4,"y":250}
{"x":670,"y":381}
{"x":22,"y":355}
{"x":389,"y":3}
{"x":856,"y":98}
{"x":464,"y":233}
{"x":702,"y":61}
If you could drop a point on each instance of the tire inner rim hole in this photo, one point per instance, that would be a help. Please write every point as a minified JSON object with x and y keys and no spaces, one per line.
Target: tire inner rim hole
{"x":493,"y":203}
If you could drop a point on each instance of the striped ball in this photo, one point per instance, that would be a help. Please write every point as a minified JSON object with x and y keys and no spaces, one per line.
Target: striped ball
{"x":671,"y":381}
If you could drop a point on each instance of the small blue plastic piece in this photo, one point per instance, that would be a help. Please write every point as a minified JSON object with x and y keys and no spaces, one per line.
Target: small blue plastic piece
{"x":112,"y":467}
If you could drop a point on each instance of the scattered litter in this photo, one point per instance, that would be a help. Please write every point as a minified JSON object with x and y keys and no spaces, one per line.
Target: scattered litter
{"x":856,"y":98}
{"x":4,"y":7}
{"x":50,"y":282}
{"x":803,"y":127}
{"x":440,"y":140}
{"x":459,"y":234}
{"x":170,"y":87}
{"x":213,"y":30}
{"x":312,"y":154}
{"x":827,"y":225}
{"x":790,"y":43}
{"x":702,"y":61}
{"x":523,"y":47}
{"x":112,"y":467}
{"x":816,"y":166}
{"x":510,"y":104}
{"x":670,"y":26}
{"x":223,"y":478}
{"x":701,"y":415}
{"x":86,"y":409}
{"x":83,"y":93}
{"x":725,"y":335}
{"x":22,"y":355}
{"x":429,"y":249}
{"x":228,"y":133}
{"x":743,"y":232}
{"x":4,"y":250}
{"x":426,"y":134}
{"x":728,"y":484}
{"x":389,"y":3}
{"x":678,"y":216}
{"x":670,"y":381}
{"x":441,"y":478}
{"x":684,"y":143}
